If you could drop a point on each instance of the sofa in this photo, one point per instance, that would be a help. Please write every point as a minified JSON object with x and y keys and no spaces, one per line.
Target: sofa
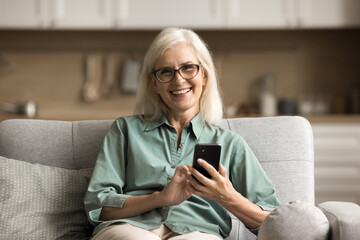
{"x":45,"y":167}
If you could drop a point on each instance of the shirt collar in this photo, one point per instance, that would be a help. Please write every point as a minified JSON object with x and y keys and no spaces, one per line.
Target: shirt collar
{"x":155,"y":124}
{"x":197,"y":124}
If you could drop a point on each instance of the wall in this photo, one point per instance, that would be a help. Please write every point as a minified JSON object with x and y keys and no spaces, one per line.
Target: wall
{"x":50,"y":66}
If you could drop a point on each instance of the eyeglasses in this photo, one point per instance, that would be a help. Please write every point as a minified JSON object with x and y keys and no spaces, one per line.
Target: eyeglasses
{"x":187,"y":72}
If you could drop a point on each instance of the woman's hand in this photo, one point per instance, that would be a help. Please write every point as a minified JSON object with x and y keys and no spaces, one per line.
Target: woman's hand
{"x":173,"y":194}
{"x":177,"y":191}
{"x":218,"y":188}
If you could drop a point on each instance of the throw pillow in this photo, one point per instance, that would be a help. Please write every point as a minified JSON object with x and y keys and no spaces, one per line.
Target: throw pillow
{"x":42,"y":202}
{"x":296,"y":221}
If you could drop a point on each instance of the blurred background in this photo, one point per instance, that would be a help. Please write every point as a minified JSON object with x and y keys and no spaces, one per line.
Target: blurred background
{"x":80,"y":60}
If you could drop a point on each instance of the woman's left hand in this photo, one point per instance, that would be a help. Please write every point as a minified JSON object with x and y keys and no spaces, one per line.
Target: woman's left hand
{"x":176,"y":191}
{"x":218,"y":188}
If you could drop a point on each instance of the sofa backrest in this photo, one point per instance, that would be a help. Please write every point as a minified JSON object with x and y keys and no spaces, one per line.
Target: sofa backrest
{"x":71,"y":145}
{"x":283,"y":145}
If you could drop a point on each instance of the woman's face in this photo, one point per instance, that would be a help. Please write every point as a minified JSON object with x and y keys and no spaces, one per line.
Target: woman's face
{"x":180,"y":95}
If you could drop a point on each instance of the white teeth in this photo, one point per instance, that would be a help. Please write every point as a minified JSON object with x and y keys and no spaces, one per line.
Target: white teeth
{"x":181,"y":91}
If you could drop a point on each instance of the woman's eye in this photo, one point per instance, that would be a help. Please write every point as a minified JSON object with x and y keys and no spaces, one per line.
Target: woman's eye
{"x":188,"y":67}
{"x":166,"y":71}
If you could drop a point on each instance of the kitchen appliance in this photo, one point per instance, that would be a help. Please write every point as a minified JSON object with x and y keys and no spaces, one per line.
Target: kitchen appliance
{"x":26,"y":108}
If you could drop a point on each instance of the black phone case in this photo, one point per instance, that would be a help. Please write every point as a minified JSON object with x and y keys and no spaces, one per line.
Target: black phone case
{"x":210,"y":153}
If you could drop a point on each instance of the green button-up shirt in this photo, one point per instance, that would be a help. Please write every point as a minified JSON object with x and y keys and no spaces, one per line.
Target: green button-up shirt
{"x":138,"y":158}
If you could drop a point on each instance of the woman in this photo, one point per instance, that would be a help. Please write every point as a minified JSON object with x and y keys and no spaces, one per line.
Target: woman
{"x":142,"y":186}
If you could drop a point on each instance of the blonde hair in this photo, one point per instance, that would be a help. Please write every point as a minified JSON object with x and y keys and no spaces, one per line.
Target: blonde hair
{"x":149,"y":105}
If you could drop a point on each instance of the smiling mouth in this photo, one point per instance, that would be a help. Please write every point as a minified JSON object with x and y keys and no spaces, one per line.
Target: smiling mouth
{"x":179,"y":92}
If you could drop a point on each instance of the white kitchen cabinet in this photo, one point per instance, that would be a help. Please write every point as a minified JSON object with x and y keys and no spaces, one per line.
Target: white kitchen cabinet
{"x":337,"y":162}
{"x":23,"y":14}
{"x":293,"y":13}
{"x":260,"y":13}
{"x":329,"y":13}
{"x":83,"y":14}
{"x":199,"y":14}
{"x":140,"y":14}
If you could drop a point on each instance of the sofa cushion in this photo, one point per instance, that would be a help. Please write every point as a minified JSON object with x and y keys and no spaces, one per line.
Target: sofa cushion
{"x":344,"y":219}
{"x":42,"y":202}
{"x":296,"y":221}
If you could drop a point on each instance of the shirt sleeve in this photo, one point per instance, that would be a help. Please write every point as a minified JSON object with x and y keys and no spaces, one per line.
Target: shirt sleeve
{"x":108,"y":178}
{"x":249,"y":178}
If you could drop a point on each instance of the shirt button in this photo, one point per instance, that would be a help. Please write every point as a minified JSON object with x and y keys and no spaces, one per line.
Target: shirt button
{"x":173,"y":166}
{"x":181,"y":145}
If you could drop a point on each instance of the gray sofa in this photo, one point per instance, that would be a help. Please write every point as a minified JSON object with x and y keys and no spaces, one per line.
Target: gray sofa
{"x":46,"y":165}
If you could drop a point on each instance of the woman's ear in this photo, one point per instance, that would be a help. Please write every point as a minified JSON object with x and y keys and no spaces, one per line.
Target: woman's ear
{"x":204,"y":79}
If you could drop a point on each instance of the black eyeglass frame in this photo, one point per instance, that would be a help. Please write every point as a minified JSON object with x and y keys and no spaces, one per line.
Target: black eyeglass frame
{"x":177,"y":71}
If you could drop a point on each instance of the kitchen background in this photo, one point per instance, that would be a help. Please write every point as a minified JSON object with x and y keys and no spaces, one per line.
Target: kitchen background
{"x":79,"y":60}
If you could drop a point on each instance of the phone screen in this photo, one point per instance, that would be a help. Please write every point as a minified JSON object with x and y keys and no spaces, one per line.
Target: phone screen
{"x":208,"y":152}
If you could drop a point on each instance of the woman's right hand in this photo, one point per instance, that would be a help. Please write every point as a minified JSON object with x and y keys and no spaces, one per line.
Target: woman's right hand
{"x":173,"y":194}
{"x":176,"y":191}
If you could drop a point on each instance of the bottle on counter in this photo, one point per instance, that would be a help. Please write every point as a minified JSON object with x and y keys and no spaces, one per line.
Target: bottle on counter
{"x":267,"y":101}
{"x":306,"y":104}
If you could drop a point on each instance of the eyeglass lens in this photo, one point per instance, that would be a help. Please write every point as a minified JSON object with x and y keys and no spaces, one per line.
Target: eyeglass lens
{"x":187,"y":72}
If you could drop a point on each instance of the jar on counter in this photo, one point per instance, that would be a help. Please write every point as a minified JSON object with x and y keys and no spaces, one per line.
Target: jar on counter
{"x":267,"y":101}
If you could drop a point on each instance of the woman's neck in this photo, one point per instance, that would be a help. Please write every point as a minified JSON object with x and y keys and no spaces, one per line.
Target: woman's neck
{"x":179,"y":122}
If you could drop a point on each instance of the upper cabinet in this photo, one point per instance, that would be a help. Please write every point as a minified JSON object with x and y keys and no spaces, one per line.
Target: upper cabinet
{"x":71,"y":14}
{"x":23,"y":14}
{"x":199,"y":14}
{"x":162,"y":13}
{"x":329,"y":13}
{"x":293,"y":13}
{"x":259,"y":13}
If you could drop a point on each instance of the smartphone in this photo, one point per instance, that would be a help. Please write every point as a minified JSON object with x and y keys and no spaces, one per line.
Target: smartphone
{"x":208,"y":152}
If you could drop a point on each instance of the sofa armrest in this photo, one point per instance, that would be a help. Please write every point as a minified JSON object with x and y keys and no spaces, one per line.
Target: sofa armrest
{"x":344,"y":219}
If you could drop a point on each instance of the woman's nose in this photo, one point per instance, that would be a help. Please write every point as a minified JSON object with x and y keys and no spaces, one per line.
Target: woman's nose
{"x":178,"y":77}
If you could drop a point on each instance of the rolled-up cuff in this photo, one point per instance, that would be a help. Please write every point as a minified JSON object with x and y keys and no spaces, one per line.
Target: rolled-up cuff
{"x":113,"y":200}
